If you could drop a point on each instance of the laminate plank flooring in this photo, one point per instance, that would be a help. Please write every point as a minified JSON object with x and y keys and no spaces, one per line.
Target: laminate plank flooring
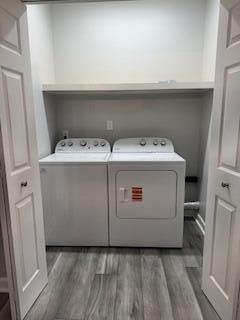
{"x":5,"y":309}
{"x":180,"y":289}
{"x":5,"y":312}
{"x":208,"y":312}
{"x":77,"y":291}
{"x":101,"y":302}
{"x":51,"y":299}
{"x":157,"y":304}
{"x":129,"y":296}
{"x":3,"y":300}
{"x":53,"y":254}
{"x":125,"y":283}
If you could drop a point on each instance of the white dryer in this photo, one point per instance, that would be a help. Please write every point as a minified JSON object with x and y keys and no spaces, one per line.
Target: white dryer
{"x":146,"y":193}
{"x":75,"y":193}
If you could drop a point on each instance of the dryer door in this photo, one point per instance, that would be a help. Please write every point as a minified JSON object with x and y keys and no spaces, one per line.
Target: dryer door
{"x":146,"y":194}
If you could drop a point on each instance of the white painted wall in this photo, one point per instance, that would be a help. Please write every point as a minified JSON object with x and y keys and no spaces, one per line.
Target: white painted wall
{"x":42,"y":58}
{"x":205,"y":131}
{"x":128,"y":41}
{"x":210,"y":39}
{"x":41,"y":41}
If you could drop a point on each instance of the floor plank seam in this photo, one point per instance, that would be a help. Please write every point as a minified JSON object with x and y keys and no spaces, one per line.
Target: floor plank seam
{"x":117,"y":287}
{"x":56,"y":262}
{"x":144,"y":307}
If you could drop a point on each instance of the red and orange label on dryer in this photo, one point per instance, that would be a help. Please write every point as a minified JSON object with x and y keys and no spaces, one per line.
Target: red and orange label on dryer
{"x":137,"y":194}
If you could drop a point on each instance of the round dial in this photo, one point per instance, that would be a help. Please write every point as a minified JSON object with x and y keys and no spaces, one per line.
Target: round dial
{"x":102,"y":143}
{"x":95,"y":143}
{"x":62,"y":144}
{"x":70,"y":143}
{"x":83,"y":143}
{"x":155,"y":142}
{"x":163,"y":143}
{"x":143,"y":142}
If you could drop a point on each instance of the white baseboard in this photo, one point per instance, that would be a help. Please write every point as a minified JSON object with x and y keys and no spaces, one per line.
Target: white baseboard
{"x":4,"y":285}
{"x":200,"y":223}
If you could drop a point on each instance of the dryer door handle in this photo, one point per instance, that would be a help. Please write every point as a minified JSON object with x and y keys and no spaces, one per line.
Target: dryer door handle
{"x":123,"y":194}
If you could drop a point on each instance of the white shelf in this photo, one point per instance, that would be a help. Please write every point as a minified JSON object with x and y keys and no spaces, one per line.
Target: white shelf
{"x":128,"y":88}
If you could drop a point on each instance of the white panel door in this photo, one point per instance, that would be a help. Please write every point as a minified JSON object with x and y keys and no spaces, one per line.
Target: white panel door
{"x":221,"y":250}
{"x":20,"y":156}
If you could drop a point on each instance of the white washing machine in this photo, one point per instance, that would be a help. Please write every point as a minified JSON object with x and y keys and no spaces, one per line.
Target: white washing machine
{"x":75,"y":193}
{"x":146,"y":193}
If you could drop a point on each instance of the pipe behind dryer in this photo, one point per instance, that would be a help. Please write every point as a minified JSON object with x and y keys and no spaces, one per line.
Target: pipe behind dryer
{"x":192,"y":205}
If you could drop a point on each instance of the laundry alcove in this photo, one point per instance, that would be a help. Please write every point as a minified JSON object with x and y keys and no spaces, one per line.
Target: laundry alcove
{"x":148,"y":66}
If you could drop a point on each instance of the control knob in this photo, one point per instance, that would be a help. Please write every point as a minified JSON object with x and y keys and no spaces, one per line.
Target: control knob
{"x":70,"y":143}
{"x":143,"y":142}
{"x":95,"y":143}
{"x":163,"y":143}
{"x":155,"y":142}
{"x":83,"y":143}
{"x":103,"y":143}
{"x":62,"y":144}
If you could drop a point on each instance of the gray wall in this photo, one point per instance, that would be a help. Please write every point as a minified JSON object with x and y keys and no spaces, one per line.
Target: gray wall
{"x":184,"y":118}
{"x":178,"y":117}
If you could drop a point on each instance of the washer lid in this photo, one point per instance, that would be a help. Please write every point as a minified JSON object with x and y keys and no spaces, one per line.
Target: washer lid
{"x":64,"y":158}
{"x":148,"y":145}
{"x":146,"y":157}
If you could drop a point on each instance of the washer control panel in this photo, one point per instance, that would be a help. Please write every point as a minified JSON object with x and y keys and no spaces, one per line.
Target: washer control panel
{"x":158,"y":145}
{"x":83,"y":145}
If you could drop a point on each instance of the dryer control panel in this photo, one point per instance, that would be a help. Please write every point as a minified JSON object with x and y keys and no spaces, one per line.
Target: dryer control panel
{"x":148,"y":145}
{"x":82,"y":145}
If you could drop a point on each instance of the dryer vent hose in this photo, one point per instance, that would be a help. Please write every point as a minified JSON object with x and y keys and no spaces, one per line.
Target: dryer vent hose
{"x":192,"y":205}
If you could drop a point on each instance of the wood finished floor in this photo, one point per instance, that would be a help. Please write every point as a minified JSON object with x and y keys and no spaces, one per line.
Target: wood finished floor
{"x":5,"y":313}
{"x":124,"y":284}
